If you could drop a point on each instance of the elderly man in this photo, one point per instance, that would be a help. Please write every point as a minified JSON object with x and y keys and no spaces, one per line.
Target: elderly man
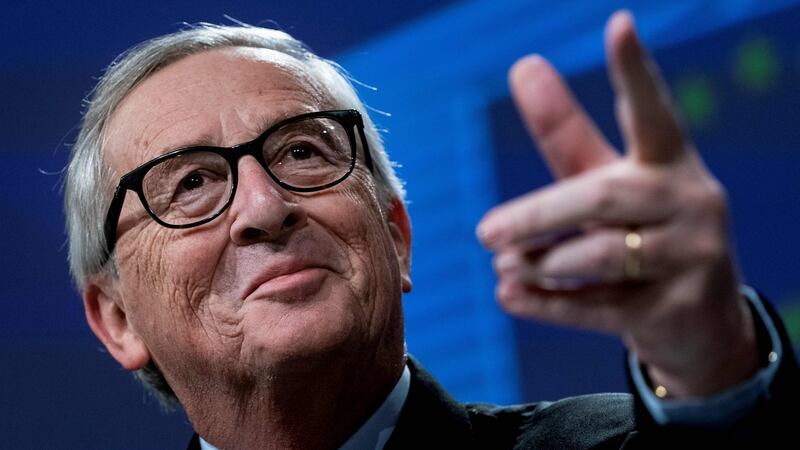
{"x":241,"y":242}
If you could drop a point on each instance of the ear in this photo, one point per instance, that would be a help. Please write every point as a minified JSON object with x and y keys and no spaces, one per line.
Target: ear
{"x":105,"y":313}
{"x":400,"y":227}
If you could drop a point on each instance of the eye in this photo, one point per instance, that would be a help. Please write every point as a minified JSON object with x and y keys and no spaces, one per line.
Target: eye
{"x":301,"y":152}
{"x":191,"y":182}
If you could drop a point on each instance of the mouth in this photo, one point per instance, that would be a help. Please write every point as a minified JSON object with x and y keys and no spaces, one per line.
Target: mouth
{"x":289,"y":284}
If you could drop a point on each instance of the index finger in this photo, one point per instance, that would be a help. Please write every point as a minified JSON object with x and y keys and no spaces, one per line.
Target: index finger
{"x":567,"y":138}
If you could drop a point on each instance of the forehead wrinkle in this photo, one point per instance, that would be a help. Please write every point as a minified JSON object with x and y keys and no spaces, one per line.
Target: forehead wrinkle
{"x":125,"y":142}
{"x":296,"y":78}
{"x":203,"y":137}
{"x":291,"y":90}
{"x":296,"y":99}
{"x":292,"y":78}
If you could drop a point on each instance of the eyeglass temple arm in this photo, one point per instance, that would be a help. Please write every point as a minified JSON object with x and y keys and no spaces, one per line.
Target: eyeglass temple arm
{"x":112,"y":218}
{"x":364,"y":145}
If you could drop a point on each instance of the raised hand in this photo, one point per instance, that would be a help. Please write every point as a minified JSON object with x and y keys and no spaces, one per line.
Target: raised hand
{"x":634,"y":244}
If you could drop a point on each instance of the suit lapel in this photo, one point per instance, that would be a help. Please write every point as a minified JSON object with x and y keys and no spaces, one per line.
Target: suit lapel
{"x":431,"y":418}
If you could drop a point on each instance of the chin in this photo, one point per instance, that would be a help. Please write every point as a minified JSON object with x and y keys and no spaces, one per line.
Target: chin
{"x":306,"y":336}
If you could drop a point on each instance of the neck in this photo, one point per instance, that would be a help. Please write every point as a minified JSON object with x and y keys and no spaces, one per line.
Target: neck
{"x":319,"y":409}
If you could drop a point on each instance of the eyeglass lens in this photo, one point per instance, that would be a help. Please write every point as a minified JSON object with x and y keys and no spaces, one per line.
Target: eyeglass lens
{"x":196,"y":185}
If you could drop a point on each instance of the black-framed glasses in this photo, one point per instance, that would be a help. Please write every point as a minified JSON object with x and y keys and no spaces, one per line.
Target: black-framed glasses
{"x":191,"y":186}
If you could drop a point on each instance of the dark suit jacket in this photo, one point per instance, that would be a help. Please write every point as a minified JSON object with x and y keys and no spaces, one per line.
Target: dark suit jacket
{"x":432,"y":419}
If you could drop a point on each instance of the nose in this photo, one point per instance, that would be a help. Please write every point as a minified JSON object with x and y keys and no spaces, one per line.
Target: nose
{"x":262,"y":210}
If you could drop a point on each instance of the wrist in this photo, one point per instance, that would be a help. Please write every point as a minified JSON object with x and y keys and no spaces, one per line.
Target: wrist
{"x":719,"y":360}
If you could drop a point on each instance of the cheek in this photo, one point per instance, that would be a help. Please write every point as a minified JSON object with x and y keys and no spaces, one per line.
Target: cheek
{"x":166,"y":277}
{"x":359,"y":210}
{"x":359,"y":222}
{"x":169,"y":268}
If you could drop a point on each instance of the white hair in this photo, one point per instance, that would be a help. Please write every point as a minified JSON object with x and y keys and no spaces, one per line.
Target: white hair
{"x":90,"y":182}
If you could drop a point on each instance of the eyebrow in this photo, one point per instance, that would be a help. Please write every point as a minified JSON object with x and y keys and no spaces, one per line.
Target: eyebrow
{"x":267,"y":120}
{"x":204,"y":140}
{"x":264,"y":120}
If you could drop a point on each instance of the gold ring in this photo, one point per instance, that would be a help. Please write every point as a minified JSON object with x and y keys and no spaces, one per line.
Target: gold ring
{"x":633,"y":255}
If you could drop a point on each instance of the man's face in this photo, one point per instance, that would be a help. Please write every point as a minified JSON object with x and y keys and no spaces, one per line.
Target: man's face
{"x":281,"y":283}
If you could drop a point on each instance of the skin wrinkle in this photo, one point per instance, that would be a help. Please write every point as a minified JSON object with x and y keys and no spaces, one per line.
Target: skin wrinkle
{"x":255,"y":131}
{"x":141,"y":144}
{"x":207,"y":138}
{"x":191,"y":313}
{"x":375,"y":224}
{"x":378,"y":223}
{"x":162,"y":127}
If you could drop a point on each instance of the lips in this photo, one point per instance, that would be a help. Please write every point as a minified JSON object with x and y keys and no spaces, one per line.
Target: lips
{"x":286,"y":276}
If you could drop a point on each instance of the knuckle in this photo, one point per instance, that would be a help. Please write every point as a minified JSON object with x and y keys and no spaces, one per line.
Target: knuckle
{"x":709,"y":210}
{"x":603,"y":197}
{"x":707,"y":196}
{"x":656,"y":189}
{"x":650,"y":186}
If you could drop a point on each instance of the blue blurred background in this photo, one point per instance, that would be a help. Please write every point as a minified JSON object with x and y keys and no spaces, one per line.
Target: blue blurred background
{"x":439,"y":68}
